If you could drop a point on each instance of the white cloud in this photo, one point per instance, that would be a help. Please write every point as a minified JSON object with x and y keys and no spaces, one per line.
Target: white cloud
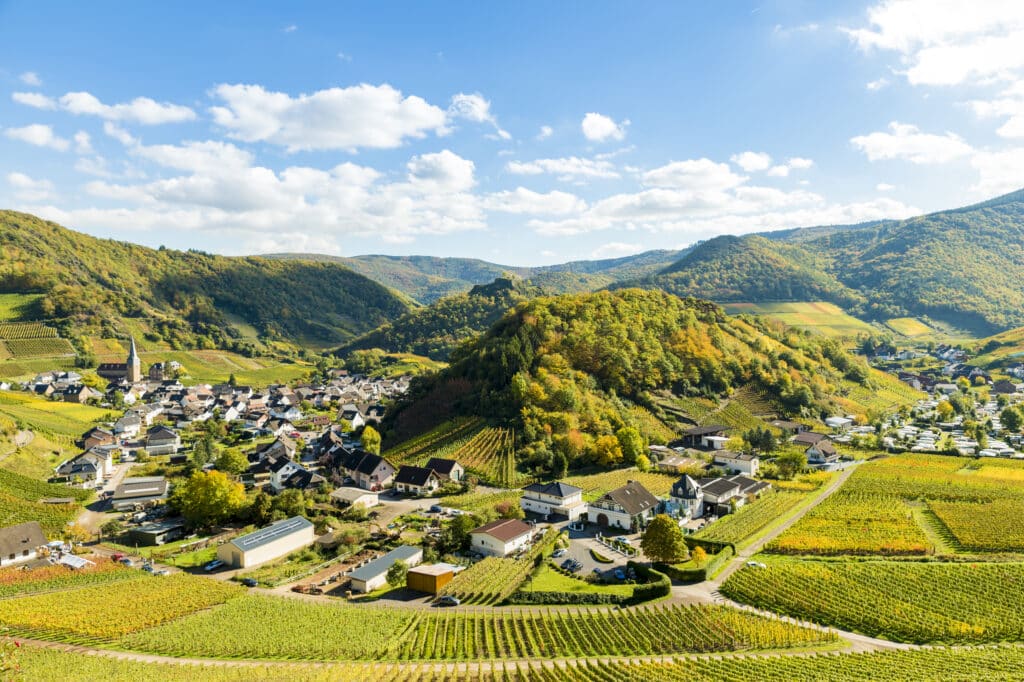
{"x":616,"y":250}
{"x":907,"y":142}
{"x":29,"y":189}
{"x":34,"y":99}
{"x":118,"y":133}
{"x":884,"y":187}
{"x":999,"y":171}
{"x":693,"y":175}
{"x":39,"y":135}
{"x":545,"y":132}
{"x":780,"y":171}
{"x":877,"y":84}
{"x":946,"y":42}
{"x":444,"y":171}
{"x":752,"y":161}
{"x":140,"y":110}
{"x":94,"y":165}
{"x":31,"y":78}
{"x":800,"y":163}
{"x":567,"y":169}
{"x":83,"y":143}
{"x":1009,"y":104}
{"x":337,"y":118}
{"x":599,"y":128}
{"x":290,"y":28}
{"x":522,"y":200}
{"x":475,"y":108}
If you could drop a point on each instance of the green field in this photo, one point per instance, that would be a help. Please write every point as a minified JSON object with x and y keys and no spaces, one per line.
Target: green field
{"x":750,"y":519}
{"x":899,"y":600}
{"x":908,"y":326}
{"x":826,"y":318}
{"x":14,"y":307}
{"x":50,"y":416}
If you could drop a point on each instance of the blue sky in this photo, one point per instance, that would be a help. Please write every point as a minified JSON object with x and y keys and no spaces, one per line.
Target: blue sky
{"x":528,"y":133}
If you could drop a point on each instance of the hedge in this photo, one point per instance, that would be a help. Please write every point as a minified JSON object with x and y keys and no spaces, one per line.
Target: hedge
{"x":697,"y":575}
{"x":657,"y":585}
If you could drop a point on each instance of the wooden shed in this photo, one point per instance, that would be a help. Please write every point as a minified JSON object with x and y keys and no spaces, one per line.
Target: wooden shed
{"x":430,"y":578}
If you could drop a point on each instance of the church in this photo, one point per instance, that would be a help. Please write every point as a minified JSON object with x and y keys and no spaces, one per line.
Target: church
{"x":130,"y":371}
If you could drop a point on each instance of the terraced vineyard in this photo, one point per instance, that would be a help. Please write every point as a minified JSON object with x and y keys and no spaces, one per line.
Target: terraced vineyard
{"x":903,"y":601}
{"x":26,"y":330}
{"x":596,"y":485}
{"x":33,"y":339}
{"x":493,"y":580}
{"x":17,"y":581}
{"x":476,"y":503}
{"x":417,"y":449}
{"x":34,"y":490}
{"x":279,"y":628}
{"x":90,"y":614}
{"x":753,"y":518}
{"x":950,"y":665}
{"x":19,"y":502}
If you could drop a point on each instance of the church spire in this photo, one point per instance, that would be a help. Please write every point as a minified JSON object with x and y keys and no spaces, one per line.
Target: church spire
{"x":134,"y":364}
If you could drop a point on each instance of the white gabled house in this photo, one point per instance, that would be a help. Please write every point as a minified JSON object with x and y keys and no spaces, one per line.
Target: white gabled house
{"x":501,"y":538}
{"x":629,"y":507}
{"x":738,"y":462}
{"x":556,"y":498}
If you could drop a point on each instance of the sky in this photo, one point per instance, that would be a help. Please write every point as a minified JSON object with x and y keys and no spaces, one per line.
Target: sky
{"x":524,"y":133}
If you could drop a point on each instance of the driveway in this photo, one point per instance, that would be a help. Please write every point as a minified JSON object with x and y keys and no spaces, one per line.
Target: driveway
{"x":580,"y":544}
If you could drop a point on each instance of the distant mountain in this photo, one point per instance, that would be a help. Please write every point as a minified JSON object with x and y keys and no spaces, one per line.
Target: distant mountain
{"x":963,"y":266}
{"x":435,"y":330}
{"x":86,"y":285}
{"x":427,"y":278}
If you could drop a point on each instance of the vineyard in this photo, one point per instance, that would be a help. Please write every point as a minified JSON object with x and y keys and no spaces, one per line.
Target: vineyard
{"x":493,"y":580}
{"x":52,"y":517}
{"x":41,"y":414}
{"x":855,"y":523}
{"x":19,"y":331}
{"x":277,"y":628}
{"x":90,"y":613}
{"x":902,"y":601}
{"x":596,"y":485}
{"x":16,"y":581}
{"x":417,"y":449}
{"x":751,"y":519}
{"x":487,"y":452}
{"x":33,"y":339}
{"x":950,"y":665}
{"x":481,"y":503}
{"x":983,"y":527}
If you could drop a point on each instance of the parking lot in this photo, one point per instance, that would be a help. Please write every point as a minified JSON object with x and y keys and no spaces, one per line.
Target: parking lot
{"x":582,"y":542}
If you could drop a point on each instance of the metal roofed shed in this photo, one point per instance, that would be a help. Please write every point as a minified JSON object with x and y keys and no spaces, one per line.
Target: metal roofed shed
{"x":373,"y":575}
{"x":431,"y":578}
{"x":266,"y":544}
{"x":139,"y":492}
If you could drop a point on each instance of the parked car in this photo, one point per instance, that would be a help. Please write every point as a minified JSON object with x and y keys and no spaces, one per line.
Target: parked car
{"x":148,"y":568}
{"x":567,"y":563}
{"x":117,"y":556}
{"x":126,"y":561}
{"x":436,"y":509}
{"x":448,"y":600}
{"x":213,"y":565}
{"x":250,"y":582}
{"x":558,"y":554}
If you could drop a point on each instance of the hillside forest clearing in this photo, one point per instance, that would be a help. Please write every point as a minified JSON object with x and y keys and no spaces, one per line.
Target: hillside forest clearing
{"x":825,"y":318}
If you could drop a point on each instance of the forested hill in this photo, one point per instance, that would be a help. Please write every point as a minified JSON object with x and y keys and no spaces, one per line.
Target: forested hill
{"x":435,"y":330}
{"x":963,"y":266}
{"x":427,"y":279}
{"x":191,"y":299}
{"x":573,"y":370}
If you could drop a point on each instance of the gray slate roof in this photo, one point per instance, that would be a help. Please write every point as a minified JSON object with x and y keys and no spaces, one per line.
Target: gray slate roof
{"x":382,"y":564}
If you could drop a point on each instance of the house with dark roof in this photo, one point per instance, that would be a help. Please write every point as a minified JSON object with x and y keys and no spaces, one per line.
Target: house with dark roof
{"x":808,"y":438}
{"x":88,"y":468}
{"x":501,"y":538}
{"x":20,"y":543}
{"x":629,"y":507}
{"x":447,"y":469}
{"x":710,"y":437}
{"x":368,"y":471}
{"x":161,"y":440}
{"x":416,"y":480}
{"x":822,"y":452}
{"x":555,"y":498}
{"x":695,"y":497}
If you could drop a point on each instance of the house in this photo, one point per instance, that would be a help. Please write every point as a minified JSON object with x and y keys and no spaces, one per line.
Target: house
{"x":711,"y":437}
{"x":808,"y":438}
{"x":161,"y":440}
{"x":350,"y":497}
{"x":447,"y":469}
{"x":20,"y":543}
{"x":416,"y":480}
{"x":838,"y":423}
{"x":128,"y":426}
{"x":698,"y":496}
{"x":97,"y":436}
{"x":628,"y":507}
{"x":788,"y":426}
{"x":79,"y":394}
{"x":266,"y":544}
{"x":138,"y":492}
{"x":501,"y":538}
{"x":282,"y":447}
{"x":738,"y":462}
{"x":368,"y":471}
{"x":88,"y":468}
{"x":822,"y":452}
{"x":556,"y":498}
{"x":350,"y":413}
{"x":284,"y":474}
{"x":430,"y":578}
{"x":1005,"y":387}
{"x":674,"y":464}
{"x":374,"y":574}
{"x":155,"y":534}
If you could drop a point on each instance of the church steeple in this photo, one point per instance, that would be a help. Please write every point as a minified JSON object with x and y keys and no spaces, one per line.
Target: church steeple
{"x":134,"y":373}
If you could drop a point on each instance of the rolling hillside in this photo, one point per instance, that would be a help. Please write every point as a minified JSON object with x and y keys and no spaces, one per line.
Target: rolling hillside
{"x":98,"y":287}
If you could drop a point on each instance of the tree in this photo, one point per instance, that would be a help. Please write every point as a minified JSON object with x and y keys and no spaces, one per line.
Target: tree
{"x":232,"y":461}
{"x":643,"y":463}
{"x":112,"y":529}
{"x":1011,"y":419}
{"x":455,"y":535}
{"x":76,"y":534}
{"x":790,"y":463}
{"x":698,"y":556}
{"x":370,"y":440}
{"x":509,"y":509}
{"x":204,"y":451}
{"x":945,"y":410}
{"x":607,"y":451}
{"x":262,"y":509}
{"x":559,"y":464}
{"x":631,"y":443}
{"x":232,"y":381}
{"x":208,"y":497}
{"x":397,"y":572}
{"x":290,"y":502}
{"x":760,"y":439}
{"x":664,"y":541}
